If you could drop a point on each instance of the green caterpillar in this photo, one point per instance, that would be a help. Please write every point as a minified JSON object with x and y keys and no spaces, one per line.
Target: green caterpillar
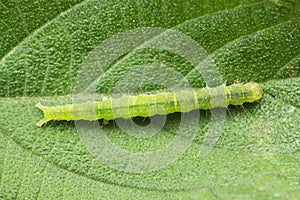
{"x":145,"y":105}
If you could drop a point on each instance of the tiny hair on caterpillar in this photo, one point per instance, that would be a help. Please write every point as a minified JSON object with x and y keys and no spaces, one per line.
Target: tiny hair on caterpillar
{"x":145,"y":105}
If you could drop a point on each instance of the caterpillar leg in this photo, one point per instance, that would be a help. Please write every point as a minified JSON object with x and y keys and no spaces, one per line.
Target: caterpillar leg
{"x":105,"y":122}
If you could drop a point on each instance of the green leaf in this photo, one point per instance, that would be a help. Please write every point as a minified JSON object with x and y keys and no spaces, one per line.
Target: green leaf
{"x":43,"y":47}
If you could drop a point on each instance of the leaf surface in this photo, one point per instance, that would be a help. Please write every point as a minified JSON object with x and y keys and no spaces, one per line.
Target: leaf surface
{"x":255,"y":157}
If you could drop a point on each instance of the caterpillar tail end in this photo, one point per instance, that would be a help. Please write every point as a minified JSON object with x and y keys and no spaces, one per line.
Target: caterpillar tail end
{"x":44,"y":120}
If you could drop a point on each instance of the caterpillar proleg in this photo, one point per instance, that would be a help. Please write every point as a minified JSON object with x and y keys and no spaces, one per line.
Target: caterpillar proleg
{"x":145,"y":105}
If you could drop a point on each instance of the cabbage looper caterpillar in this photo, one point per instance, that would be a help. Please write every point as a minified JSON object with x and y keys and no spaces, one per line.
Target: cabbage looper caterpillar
{"x":144,"y":104}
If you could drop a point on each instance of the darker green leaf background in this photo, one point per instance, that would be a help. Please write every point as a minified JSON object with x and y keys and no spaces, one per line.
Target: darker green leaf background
{"x":43,"y":45}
